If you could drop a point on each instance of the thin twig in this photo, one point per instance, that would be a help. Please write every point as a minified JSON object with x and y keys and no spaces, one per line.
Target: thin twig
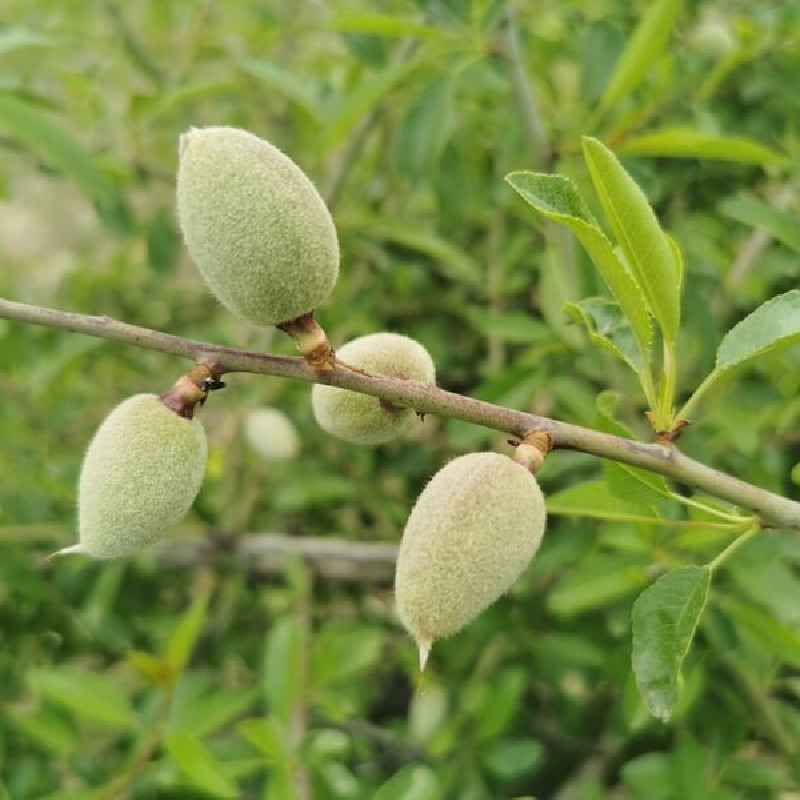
{"x":663,"y":459}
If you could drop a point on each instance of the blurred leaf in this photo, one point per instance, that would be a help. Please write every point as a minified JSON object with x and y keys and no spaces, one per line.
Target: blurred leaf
{"x":156,"y":670}
{"x":781,"y":225}
{"x":199,"y":766}
{"x":204,"y":713}
{"x":184,"y":637}
{"x":451,"y":262}
{"x":517,"y":327}
{"x":279,"y":79}
{"x":777,"y":639}
{"x":269,"y":737}
{"x":608,"y":329}
{"x":556,"y":197}
{"x":84,"y":693}
{"x":369,"y":92}
{"x":650,"y":776}
{"x":34,"y":130}
{"x":642,"y":50}
{"x":510,"y":759}
{"x":664,"y":619}
{"x":282,"y":676}
{"x":12,"y":39}
{"x":689,"y":143}
{"x":47,"y":729}
{"x":646,"y":248}
{"x":426,"y":127}
{"x":507,"y":693}
{"x":341,"y":653}
{"x":411,"y":782}
{"x":595,"y":583}
{"x":310,"y":491}
{"x":384,"y":25}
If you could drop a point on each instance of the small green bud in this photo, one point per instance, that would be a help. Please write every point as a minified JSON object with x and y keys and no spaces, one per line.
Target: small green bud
{"x":471,"y":533}
{"x":255,"y":226}
{"x":271,"y":434}
{"x":141,"y":473}
{"x":368,"y":420}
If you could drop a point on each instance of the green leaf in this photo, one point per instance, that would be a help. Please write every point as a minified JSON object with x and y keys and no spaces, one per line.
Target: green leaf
{"x":772,"y":325}
{"x":182,"y":641}
{"x":645,"y":245}
{"x":384,"y":25}
{"x":84,"y":693}
{"x":594,"y":499}
{"x":282,"y":680}
{"x":269,"y":737}
{"x":199,"y":766}
{"x":781,"y":225}
{"x":344,"y":653}
{"x":608,"y":329}
{"x":665,"y":617}
{"x":311,"y":491}
{"x":426,"y":127}
{"x":690,"y":143}
{"x":509,"y":759}
{"x":594,"y":583}
{"x":449,"y":259}
{"x":642,"y":50}
{"x":556,"y":197}
{"x":34,"y":130}
{"x":510,"y":326}
{"x":411,"y":781}
{"x":47,"y":728}
{"x":12,"y":39}
{"x":205,"y":708}
{"x":367,"y":95}
{"x":279,"y":79}
{"x":626,"y":482}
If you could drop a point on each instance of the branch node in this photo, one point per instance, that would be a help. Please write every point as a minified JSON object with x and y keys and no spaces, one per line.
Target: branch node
{"x":311,"y":340}
{"x":531,"y":451}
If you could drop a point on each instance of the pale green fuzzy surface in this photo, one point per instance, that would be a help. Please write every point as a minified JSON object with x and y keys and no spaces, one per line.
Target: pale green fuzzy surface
{"x":471,"y":533}
{"x":271,"y":434}
{"x":141,"y":473}
{"x":358,"y":417}
{"x":255,"y":226}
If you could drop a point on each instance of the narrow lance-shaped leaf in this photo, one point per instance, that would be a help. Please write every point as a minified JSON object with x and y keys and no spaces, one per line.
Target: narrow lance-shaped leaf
{"x":665,"y":617}
{"x":751,"y":211}
{"x":690,"y":143}
{"x":556,"y":197}
{"x":645,"y":245}
{"x":199,"y":766}
{"x":35,"y":130}
{"x":643,"y":48}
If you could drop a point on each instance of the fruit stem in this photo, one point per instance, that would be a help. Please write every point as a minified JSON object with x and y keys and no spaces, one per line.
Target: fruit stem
{"x":311,"y":341}
{"x":533,"y":448}
{"x":192,"y":388}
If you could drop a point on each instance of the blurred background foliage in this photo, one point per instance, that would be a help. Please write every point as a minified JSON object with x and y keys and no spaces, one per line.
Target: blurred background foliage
{"x":216,"y":675}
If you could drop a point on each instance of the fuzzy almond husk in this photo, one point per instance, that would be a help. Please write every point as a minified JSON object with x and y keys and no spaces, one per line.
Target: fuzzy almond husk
{"x":471,"y":533}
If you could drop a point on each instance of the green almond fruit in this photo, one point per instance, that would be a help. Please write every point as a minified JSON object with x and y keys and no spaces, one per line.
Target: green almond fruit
{"x":140,"y":475}
{"x":363,"y":419}
{"x":470,"y":535}
{"x":255,"y":226}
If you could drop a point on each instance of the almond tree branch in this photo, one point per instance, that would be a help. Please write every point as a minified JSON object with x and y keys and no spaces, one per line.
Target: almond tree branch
{"x":664,"y":459}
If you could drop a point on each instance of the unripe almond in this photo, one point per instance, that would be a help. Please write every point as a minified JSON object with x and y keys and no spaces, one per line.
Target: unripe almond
{"x":141,"y":473}
{"x":471,"y":533}
{"x":368,"y":420}
{"x":255,"y":226}
{"x":271,"y":434}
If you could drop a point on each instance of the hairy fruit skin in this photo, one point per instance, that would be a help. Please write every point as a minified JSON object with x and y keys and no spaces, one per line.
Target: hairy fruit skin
{"x":363,"y":419}
{"x":255,"y":225}
{"x":141,"y":474}
{"x":471,"y":533}
{"x":271,"y":434}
